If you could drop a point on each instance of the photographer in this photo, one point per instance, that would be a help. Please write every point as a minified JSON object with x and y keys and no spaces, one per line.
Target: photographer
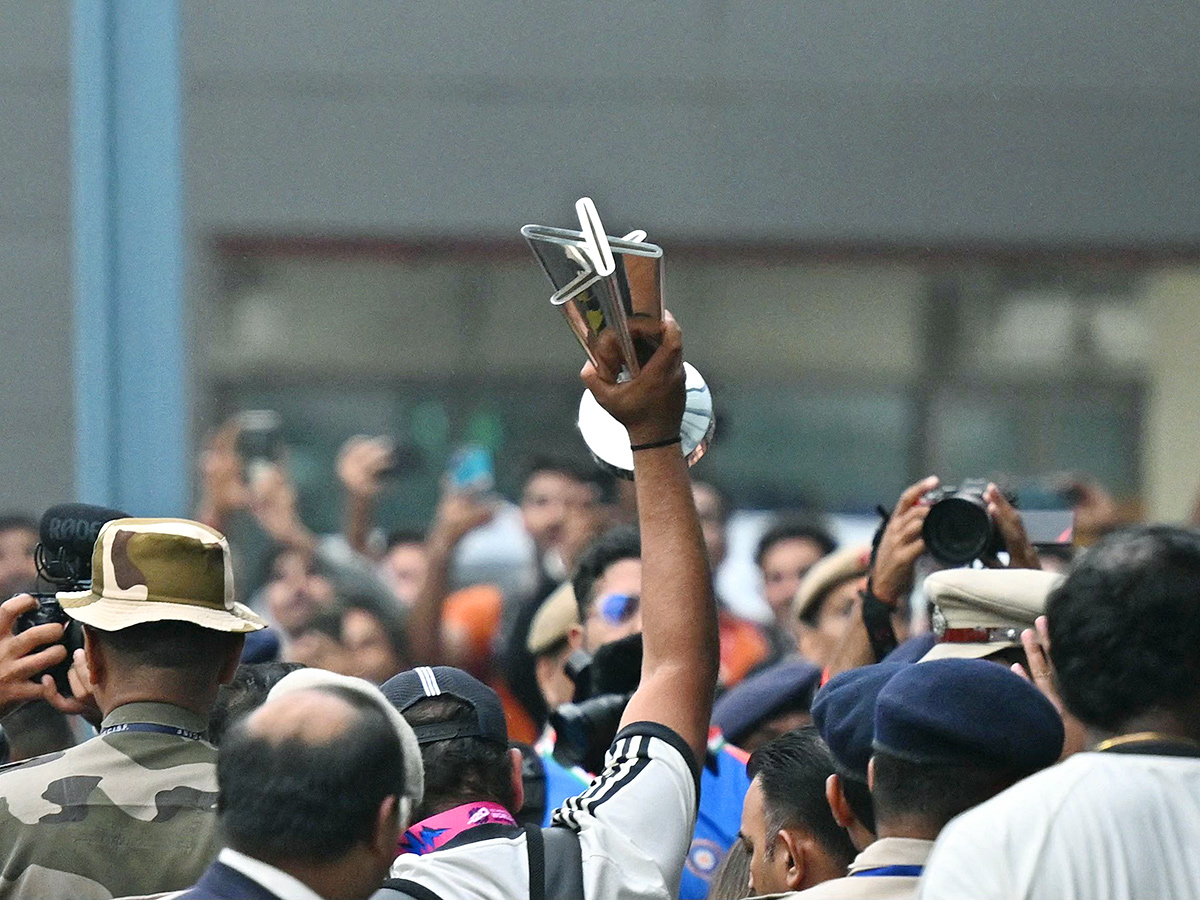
{"x":881,"y":616}
{"x":632,"y":827}
{"x":161,"y":633}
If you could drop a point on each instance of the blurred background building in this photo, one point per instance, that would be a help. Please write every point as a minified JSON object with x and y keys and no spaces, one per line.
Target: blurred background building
{"x":901,"y":238}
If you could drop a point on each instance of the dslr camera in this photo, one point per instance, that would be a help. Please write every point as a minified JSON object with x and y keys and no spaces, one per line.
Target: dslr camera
{"x":958,"y":528}
{"x":67,"y":535}
{"x":604,"y":682}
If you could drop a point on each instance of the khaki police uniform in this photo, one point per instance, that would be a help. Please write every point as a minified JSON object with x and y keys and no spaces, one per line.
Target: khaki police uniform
{"x":888,"y":869}
{"x":133,"y":810}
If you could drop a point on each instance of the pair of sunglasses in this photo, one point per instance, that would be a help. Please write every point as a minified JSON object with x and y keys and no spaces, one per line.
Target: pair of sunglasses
{"x":618,"y":608}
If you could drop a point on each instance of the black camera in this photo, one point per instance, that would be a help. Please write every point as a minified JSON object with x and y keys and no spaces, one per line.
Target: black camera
{"x":959,"y":528}
{"x":604,"y":682}
{"x":63,"y":558}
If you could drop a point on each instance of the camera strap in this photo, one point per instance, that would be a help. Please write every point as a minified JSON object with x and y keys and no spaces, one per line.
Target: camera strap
{"x":154,"y":728}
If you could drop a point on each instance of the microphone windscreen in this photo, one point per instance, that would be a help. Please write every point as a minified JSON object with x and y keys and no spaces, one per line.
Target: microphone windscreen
{"x":73,"y":527}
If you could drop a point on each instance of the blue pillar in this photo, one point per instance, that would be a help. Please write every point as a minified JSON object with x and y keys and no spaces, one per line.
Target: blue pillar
{"x":131,"y":411}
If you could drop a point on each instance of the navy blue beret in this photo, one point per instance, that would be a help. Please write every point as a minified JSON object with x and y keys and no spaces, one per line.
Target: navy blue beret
{"x":784,"y":686}
{"x":844,"y":713}
{"x":967,"y":711}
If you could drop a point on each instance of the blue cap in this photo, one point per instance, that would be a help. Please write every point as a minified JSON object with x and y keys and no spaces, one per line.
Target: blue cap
{"x":949,"y":711}
{"x":784,"y":686}
{"x":484,"y":719}
{"x":844,"y":713}
{"x":261,"y":646}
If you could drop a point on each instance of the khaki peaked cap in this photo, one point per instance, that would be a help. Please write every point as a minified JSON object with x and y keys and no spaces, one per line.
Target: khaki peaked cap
{"x":979,"y":611}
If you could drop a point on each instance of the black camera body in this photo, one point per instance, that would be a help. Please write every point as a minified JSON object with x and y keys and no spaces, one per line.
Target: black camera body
{"x":958,"y":528}
{"x":604,"y":682}
{"x":67,"y":535}
{"x":49,"y":611}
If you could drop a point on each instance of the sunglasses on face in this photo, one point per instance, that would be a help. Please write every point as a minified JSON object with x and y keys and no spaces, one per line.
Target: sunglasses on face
{"x":618,"y":608}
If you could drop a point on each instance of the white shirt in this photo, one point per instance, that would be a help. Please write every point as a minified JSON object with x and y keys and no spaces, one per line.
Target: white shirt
{"x":635,"y":825}
{"x":278,"y":882}
{"x":1100,"y":826}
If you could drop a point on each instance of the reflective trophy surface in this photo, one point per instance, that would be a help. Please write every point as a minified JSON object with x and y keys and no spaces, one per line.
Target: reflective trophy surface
{"x":607,"y":284}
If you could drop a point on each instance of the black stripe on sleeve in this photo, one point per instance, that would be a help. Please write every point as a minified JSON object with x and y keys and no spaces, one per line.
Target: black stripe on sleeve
{"x":619,"y":751}
{"x":640,"y":759}
{"x":663,"y":733}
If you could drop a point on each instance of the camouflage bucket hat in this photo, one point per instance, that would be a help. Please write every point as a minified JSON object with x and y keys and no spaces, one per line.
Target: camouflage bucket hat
{"x":154,"y":570}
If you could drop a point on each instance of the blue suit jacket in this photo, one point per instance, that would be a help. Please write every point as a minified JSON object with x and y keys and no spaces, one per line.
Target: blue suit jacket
{"x":219,"y":882}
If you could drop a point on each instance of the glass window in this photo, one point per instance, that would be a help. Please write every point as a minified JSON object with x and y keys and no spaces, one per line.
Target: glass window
{"x":837,"y":380}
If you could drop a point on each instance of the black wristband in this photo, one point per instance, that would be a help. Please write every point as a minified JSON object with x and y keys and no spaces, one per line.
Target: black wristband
{"x":654,"y":445}
{"x":877,"y":617}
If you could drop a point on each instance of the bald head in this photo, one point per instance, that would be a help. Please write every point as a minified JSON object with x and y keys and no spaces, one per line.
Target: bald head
{"x":315,"y":716}
{"x":303,"y":777}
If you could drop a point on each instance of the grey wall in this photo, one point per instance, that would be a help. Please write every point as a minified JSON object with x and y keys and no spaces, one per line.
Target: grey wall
{"x":35,"y":263}
{"x":910,"y":122}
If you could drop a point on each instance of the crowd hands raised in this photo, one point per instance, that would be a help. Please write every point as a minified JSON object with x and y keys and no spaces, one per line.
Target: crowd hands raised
{"x":599,"y":723}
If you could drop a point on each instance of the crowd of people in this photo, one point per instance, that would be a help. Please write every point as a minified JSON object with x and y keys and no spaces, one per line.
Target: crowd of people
{"x":366,"y":715}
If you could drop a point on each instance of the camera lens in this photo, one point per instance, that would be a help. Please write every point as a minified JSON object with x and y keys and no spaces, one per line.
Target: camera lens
{"x":957,"y":530}
{"x":584,"y":730}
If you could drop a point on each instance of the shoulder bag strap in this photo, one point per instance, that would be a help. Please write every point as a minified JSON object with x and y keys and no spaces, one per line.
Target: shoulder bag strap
{"x":564,"y":864}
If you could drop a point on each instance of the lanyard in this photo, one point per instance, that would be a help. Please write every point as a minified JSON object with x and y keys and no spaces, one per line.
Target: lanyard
{"x":153,"y":727}
{"x":906,"y":871}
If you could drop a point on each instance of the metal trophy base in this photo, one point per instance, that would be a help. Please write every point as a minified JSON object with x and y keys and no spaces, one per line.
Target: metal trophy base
{"x":608,"y":440}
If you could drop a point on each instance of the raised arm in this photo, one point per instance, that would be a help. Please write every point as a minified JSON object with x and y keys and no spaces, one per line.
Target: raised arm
{"x":679,"y":615}
{"x":360,"y":463}
{"x":457,"y":514}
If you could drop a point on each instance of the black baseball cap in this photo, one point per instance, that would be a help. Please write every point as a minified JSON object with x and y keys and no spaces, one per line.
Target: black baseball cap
{"x":485,"y":718}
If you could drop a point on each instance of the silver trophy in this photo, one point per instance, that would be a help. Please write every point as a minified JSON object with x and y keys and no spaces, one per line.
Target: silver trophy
{"x":601,"y":283}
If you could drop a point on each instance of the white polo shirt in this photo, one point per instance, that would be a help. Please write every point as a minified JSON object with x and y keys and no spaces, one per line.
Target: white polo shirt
{"x":634,"y":822}
{"x":1099,"y":826}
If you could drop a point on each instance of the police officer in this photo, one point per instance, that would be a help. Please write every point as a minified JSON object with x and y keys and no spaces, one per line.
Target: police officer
{"x":767,"y":704}
{"x":132,"y":811}
{"x":844,"y":714}
{"x":1123,"y":821}
{"x":949,"y":734}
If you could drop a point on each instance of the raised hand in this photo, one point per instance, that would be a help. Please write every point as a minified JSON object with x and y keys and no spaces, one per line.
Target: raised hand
{"x":1041,"y":673}
{"x":1021,"y":554}
{"x":360,"y":462}
{"x":650,"y":405}
{"x":24,"y":655}
{"x":901,"y":544}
